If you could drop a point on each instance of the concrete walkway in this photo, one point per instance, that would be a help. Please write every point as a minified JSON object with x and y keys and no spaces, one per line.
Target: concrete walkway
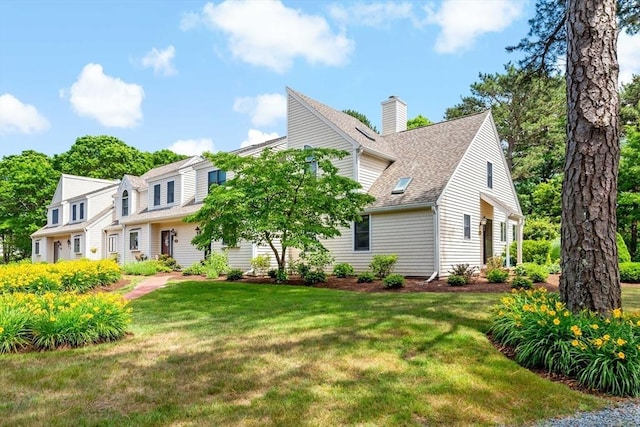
{"x":148,"y":285}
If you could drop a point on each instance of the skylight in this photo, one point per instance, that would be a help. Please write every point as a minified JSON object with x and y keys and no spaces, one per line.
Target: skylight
{"x":401,"y":186}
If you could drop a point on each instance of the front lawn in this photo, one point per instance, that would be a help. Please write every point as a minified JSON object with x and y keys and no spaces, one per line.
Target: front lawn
{"x":217,"y":353}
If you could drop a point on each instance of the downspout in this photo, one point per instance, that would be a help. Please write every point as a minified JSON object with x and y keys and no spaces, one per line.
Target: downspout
{"x":436,"y":239}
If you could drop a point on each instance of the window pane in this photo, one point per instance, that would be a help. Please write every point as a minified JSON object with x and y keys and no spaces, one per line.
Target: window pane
{"x":170,"y":190}
{"x":361,"y":234}
{"x":467,"y":226}
{"x":156,"y":195}
{"x":489,"y":175}
{"x":82,"y":210}
{"x":73,"y":212}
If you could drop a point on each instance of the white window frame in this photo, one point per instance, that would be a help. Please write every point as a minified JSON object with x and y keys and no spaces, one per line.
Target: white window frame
{"x":356,"y":232}
{"x":135,"y":240}
{"x":171,"y":192}
{"x":36,"y":249}
{"x":124,"y":201}
{"x":55,"y":216}
{"x":112,"y":243}
{"x":77,"y":244}
{"x":503,"y":231}
{"x":81,"y":212}
{"x":466,"y":226}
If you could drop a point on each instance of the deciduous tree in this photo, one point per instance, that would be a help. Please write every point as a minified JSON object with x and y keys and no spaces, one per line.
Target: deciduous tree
{"x":277,"y":199}
{"x":27,"y":183}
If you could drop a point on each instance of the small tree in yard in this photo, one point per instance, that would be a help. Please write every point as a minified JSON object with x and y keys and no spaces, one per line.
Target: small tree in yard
{"x":279,"y":200}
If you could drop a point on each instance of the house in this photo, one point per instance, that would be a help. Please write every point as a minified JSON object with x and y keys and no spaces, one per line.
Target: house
{"x":81,"y":207}
{"x":444,"y":196}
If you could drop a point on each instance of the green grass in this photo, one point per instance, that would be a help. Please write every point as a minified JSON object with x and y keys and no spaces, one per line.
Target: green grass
{"x":218,"y":353}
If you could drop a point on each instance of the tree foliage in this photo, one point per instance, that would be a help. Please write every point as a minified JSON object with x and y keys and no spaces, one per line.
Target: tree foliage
{"x":418,"y":122}
{"x":107,"y":157}
{"x":27,"y":184}
{"x":545,"y":42}
{"x":629,"y":190}
{"x":630,"y":104}
{"x":363,"y":119}
{"x":276,"y":200}
{"x":529,"y":112}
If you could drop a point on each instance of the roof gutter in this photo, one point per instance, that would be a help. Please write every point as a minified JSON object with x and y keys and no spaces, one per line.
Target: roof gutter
{"x":397,"y":208}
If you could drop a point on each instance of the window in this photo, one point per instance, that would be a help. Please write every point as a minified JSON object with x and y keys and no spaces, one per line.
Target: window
{"x":170,"y":191}
{"x":133,"y":241}
{"x":54,"y":216}
{"x":216,"y":177}
{"x":361,"y":234}
{"x":125,"y":203}
{"x":514,"y":233}
{"x":74,"y":210}
{"x":503,"y":231}
{"x":489,"y":174}
{"x":81,"y":211}
{"x":156,"y":195}
{"x":76,"y":244}
{"x":312,"y":163}
{"x":467,"y":226}
{"x":401,"y":186}
{"x":113,"y":243}
{"x":36,"y":249}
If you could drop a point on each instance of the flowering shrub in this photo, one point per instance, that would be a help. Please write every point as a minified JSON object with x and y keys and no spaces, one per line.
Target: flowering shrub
{"x":78,"y":275}
{"x":53,"y":320}
{"x":600,"y":352}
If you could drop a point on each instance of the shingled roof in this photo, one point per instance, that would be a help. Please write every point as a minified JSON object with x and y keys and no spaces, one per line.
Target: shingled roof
{"x":352,"y":127}
{"x":429,"y":156}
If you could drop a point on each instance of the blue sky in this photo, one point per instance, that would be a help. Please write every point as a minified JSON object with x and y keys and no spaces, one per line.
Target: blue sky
{"x":194,"y":75}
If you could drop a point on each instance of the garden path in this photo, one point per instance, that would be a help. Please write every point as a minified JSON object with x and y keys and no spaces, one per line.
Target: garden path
{"x":148,"y":285}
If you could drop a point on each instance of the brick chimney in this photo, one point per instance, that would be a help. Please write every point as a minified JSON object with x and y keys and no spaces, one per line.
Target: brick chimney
{"x":394,"y":115}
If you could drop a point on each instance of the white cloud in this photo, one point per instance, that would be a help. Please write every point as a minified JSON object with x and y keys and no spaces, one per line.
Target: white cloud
{"x":265,"y":109}
{"x":255,"y":136}
{"x":192,"y":147}
{"x":269,"y":34}
{"x":462,"y":21}
{"x":107,"y":99}
{"x":370,"y":14}
{"x":15,"y":116}
{"x":160,"y":61}
{"x":628,"y":56}
{"x":189,"y":21}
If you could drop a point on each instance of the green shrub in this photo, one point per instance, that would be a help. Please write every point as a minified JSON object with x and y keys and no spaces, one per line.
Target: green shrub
{"x":555,"y":251}
{"x":494,"y":262}
{"x":520,"y":270}
{"x":273,"y":273}
{"x":538,"y":251}
{"x":497,"y":275}
{"x":601,"y":352}
{"x":314,"y":261}
{"x":169,"y":262}
{"x":623,"y":251}
{"x":312,"y":277}
{"x":553,"y":268}
{"x":234,"y":274}
{"x":195,"y":269}
{"x":521,"y":282}
{"x":456,"y":280}
{"x":145,"y":268}
{"x":463,"y":270}
{"x":281,"y":276}
{"x":261,"y":263}
{"x":540,"y":228}
{"x":537,"y":273}
{"x":216,"y":264}
{"x":382,"y":265}
{"x":393,"y":281}
{"x":630,"y":272}
{"x":366,"y":277}
{"x":343,"y":270}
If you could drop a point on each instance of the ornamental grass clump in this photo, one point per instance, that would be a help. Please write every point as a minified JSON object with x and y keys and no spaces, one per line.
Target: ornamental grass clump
{"x":601,"y":352}
{"x":53,"y":320}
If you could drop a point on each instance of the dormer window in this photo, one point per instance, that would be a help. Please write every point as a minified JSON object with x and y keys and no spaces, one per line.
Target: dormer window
{"x":401,"y":186}
{"x":125,"y":203}
{"x":217,"y":177}
{"x":156,"y":195}
{"x":170,"y":192}
{"x":54,"y":216}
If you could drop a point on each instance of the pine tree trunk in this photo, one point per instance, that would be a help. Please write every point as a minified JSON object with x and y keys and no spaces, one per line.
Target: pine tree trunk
{"x":590,"y":276}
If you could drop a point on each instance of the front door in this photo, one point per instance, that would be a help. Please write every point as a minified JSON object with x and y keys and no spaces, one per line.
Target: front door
{"x":488,"y":241}
{"x":56,"y":251}
{"x":165,"y":245}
